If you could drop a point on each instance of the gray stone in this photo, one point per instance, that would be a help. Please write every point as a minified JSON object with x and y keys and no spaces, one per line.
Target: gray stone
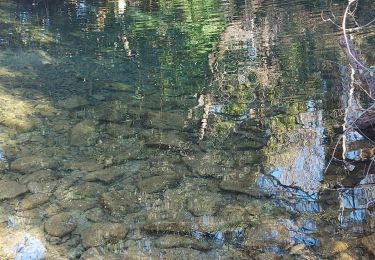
{"x":11,"y":189}
{"x":99,"y":233}
{"x":61,"y":224}
{"x":29,"y":164}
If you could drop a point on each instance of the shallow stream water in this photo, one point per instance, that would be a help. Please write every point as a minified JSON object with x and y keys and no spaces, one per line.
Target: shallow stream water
{"x":178,"y":130}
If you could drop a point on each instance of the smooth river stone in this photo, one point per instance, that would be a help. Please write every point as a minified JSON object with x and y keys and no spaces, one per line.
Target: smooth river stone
{"x":11,"y":189}
{"x":29,"y":164}
{"x":171,"y":241}
{"x":120,"y":202}
{"x":33,"y":201}
{"x":60,"y":225}
{"x":99,"y":233}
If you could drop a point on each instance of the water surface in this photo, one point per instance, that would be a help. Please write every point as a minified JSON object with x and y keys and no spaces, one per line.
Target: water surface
{"x":178,"y":130}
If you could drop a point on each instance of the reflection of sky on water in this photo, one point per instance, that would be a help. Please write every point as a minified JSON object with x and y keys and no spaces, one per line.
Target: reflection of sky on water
{"x":355,"y":201}
{"x":297,"y":169}
{"x":25,"y":17}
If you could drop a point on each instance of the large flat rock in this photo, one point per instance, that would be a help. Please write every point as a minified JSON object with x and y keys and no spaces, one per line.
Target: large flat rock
{"x":11,"y":189}
{"x":29,"y":164}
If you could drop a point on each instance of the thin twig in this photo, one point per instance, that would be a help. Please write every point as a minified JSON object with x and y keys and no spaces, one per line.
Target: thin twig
{"x":346,"y":36}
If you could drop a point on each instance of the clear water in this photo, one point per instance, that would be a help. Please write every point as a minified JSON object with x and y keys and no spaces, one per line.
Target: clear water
{"x":177,"y":130}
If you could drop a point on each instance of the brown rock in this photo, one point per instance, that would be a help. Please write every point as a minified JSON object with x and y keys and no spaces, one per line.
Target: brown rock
{"x":369,"y":243}
{"x":61,"y":224}
{"x":29,"y":164}
{"x":120,"y":202}
{"x":33,"y":201}
{"x":84,"y":134}
{"x":99,"y":233}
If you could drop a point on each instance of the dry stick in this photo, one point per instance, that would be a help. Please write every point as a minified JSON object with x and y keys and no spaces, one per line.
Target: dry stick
{"x":346,"y":36}
{"x":369,"y":167}
{"x":333,"y":153}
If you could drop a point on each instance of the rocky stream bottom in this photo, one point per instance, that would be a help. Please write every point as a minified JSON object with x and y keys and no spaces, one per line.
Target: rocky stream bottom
{"x":99,"y":178}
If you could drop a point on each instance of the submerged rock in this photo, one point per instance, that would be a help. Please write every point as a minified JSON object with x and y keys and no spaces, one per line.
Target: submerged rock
{"x":113,"y":111}
{"x":267,"y":256}
{"x":73,"y":102}
{"x":84,"y":134}
{"x":18,"y":244}
{"x":171,"y":241}
{"x":20,"y":124}
{"x":4,"y":165}
{"x":119,"y":86}
{"x":204,"y":204}
{"x":30,"y":248}
{"x":42,"y":187}
{"x":38,"y":176}
{"x":106,"y":175}
{"x":170,"y":226}
{"x":92,"y":254}
{"x":241,"y":183}
{"x":166,"y":120}
{"x":100,"y":233}
{"x":88,"y":166}
{"x":61,"y":224}
{"x":157,"y":183}
{"x":95,"y":214}
{"x":11,"y":189}
{"x":206,"y":165}
{"x":33,"y":201}
{"x":29,"y":164}
{"x":369,"y":243}
{"x":120,"y":202}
